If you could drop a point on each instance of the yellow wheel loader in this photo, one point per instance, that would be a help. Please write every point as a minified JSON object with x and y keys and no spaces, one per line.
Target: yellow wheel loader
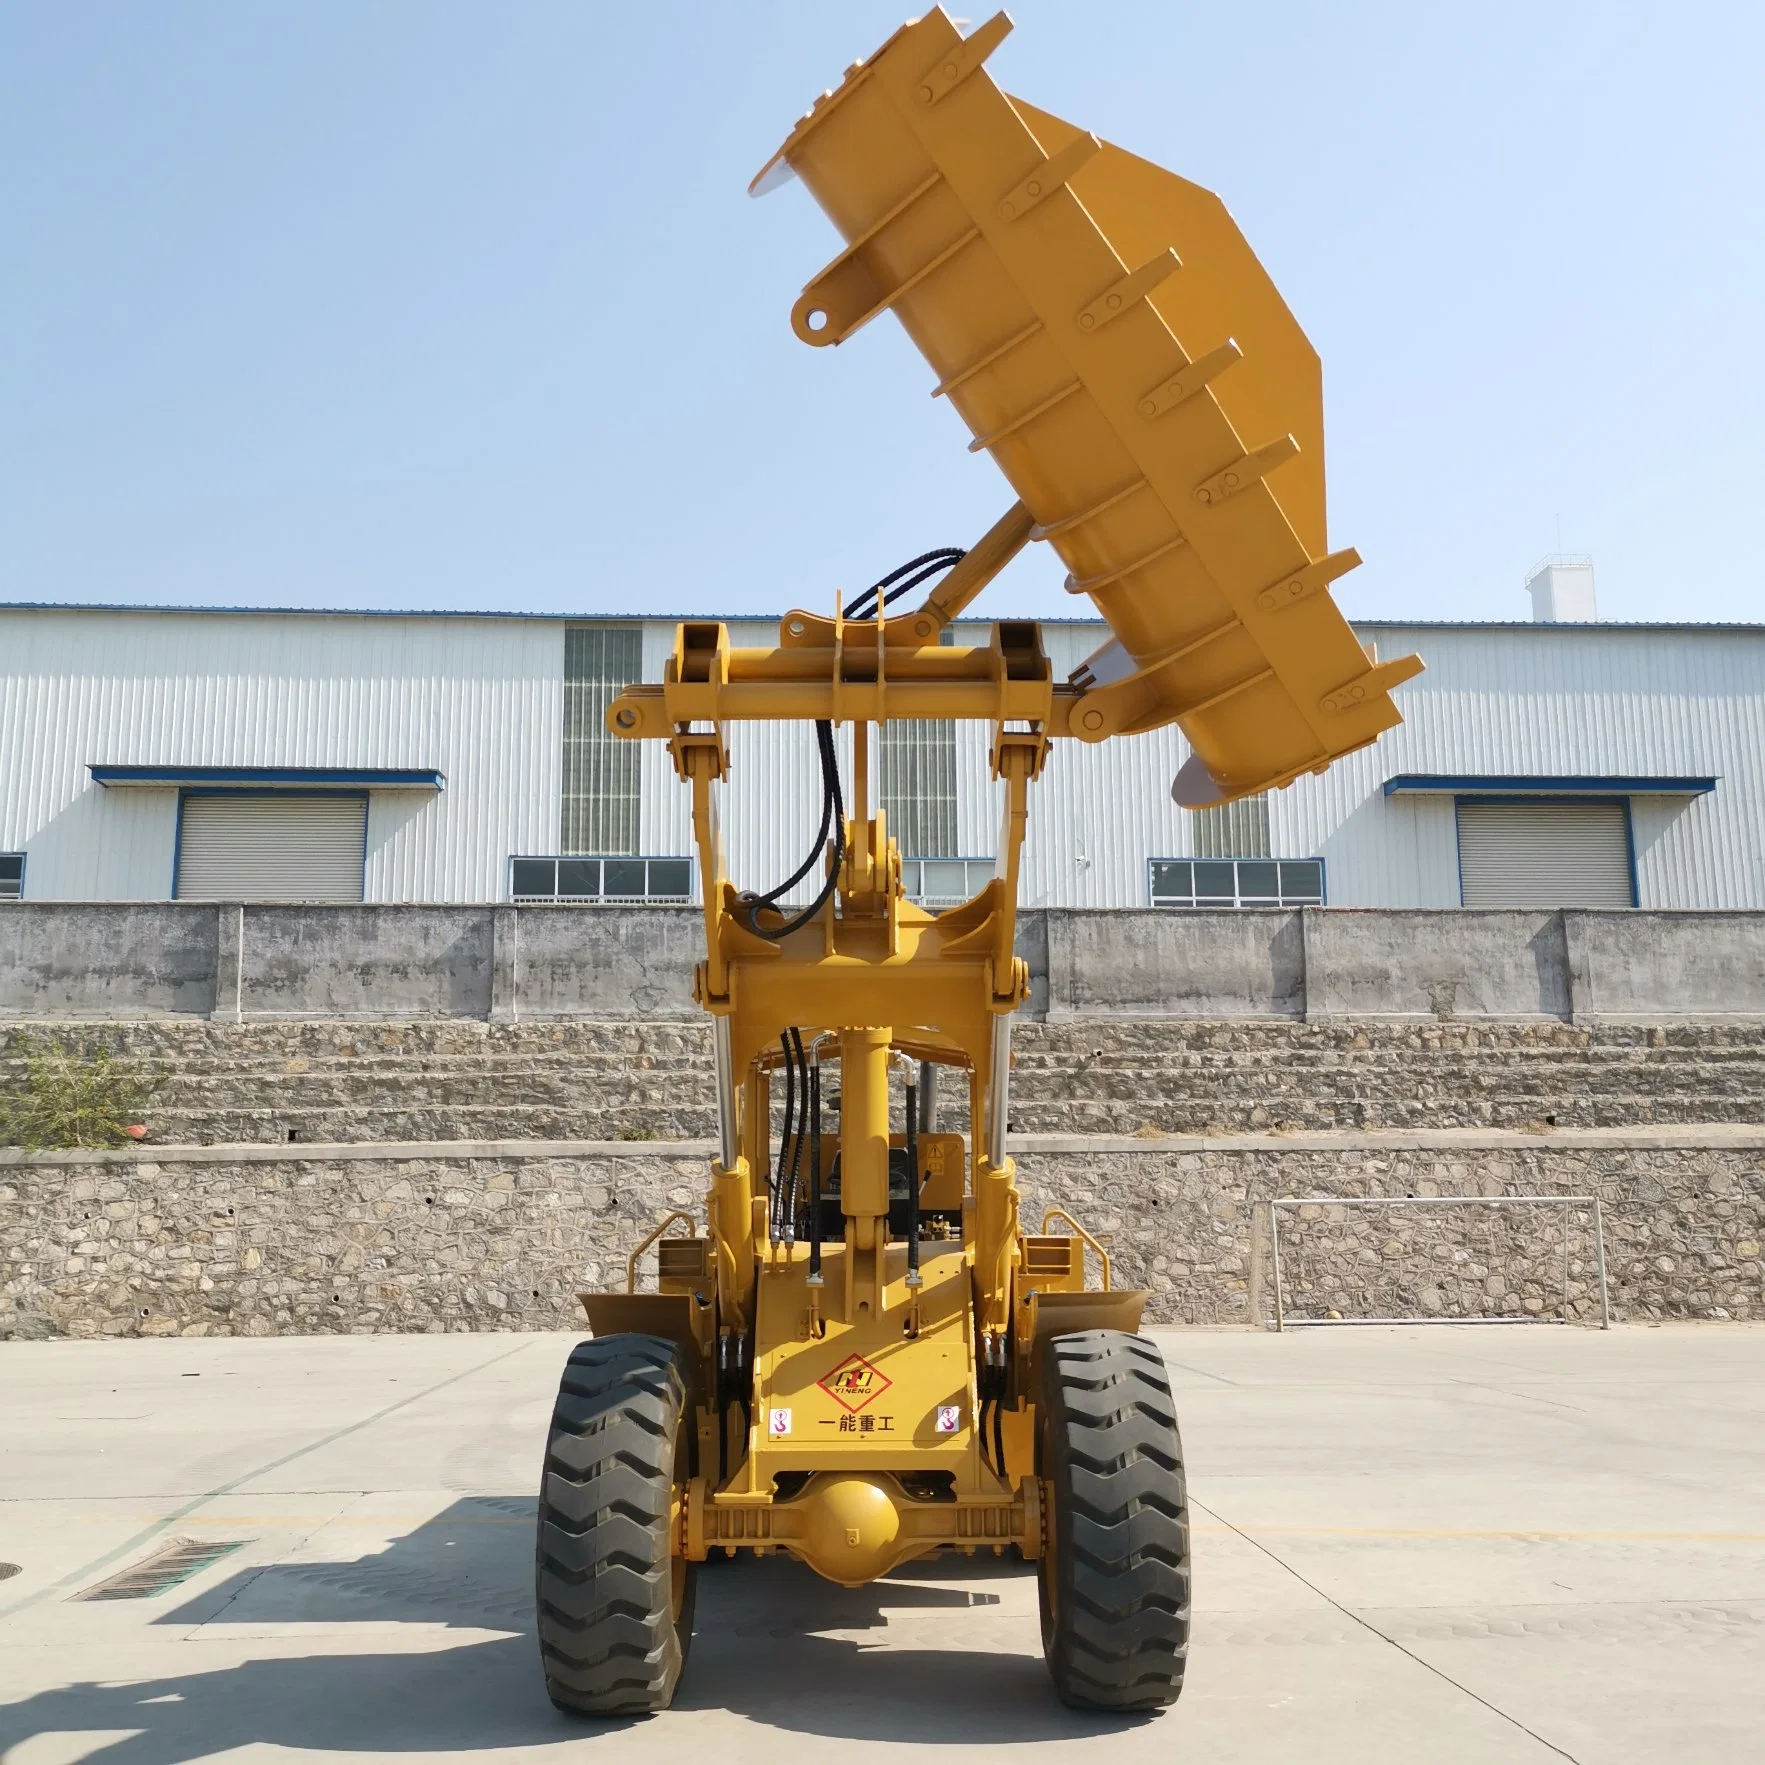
{"x":868,"y":1356}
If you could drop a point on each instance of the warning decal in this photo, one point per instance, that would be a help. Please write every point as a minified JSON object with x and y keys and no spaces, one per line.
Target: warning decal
{"x":854,"y":1383}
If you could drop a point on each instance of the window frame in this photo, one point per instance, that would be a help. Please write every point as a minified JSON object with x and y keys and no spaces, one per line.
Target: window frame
{"x":584,"y":796}
{"x":601,"y":898}
{"x":1239,"y":903}
{"x":17,"y":894}
{"x":963,"y":858}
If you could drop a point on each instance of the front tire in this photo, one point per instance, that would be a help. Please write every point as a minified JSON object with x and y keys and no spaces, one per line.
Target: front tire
{"x":1114,"y":1571}
{"x":615,"y":1598}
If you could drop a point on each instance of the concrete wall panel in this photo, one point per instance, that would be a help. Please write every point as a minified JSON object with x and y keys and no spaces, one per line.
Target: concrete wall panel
{"x":106,"y":961}
{"x":1158,"y":964}
{"x":392,"y":962}
{"x":1472,"y":963}
{"x":1667,"y":964}
{"x":595,"y":962}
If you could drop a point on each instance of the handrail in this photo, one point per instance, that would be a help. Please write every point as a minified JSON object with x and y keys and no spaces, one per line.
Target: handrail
{"x":1060,"y":1213}
{"x":636,"y":1256}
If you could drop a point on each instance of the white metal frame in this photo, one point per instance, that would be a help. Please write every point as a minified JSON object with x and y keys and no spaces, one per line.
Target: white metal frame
{"x":1565,"y":1202}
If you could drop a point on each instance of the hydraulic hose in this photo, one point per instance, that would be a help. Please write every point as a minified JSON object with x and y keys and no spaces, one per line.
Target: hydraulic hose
{"x":779,"y":1183}
{"x":912,"y":1182}
{"x":815,"y":1170}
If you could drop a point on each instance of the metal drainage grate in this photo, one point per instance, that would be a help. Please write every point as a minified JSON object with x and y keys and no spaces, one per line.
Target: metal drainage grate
{"x":176,"y":1562}
{"x":8,"y":1570}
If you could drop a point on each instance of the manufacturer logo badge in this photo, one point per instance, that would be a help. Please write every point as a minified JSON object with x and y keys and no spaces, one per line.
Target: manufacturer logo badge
{"x":854,"y":1383}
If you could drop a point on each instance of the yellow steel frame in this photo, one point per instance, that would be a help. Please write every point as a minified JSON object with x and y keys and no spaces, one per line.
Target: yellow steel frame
{"x":1110,"y":340}
{"x":872,"y":981}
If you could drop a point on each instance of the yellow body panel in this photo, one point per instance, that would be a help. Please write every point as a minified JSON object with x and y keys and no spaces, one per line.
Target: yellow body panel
{"x":888,"y":1421}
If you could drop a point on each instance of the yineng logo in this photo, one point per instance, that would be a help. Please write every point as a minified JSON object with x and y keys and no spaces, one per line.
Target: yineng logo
{"x":854,"y":1383}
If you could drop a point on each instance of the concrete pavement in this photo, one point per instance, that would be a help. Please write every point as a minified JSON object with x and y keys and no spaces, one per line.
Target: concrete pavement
{"x":1461,"y":1546}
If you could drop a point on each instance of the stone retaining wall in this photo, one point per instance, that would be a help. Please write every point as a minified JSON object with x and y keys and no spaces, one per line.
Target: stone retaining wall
{"x":466,"y":1236}
{"x":329,"y":1081}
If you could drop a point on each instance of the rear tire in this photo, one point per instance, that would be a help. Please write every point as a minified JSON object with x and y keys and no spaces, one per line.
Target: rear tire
{"x":615,"y":1599}
{"x":1114,"y":1572}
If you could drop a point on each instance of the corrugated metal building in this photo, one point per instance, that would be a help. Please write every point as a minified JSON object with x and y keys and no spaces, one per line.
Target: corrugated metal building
{"x":146,"y":754}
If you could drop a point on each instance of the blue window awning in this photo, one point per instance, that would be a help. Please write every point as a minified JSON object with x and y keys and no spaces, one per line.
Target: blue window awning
{"x":269,"y":778}
{"x":1406,"y":784}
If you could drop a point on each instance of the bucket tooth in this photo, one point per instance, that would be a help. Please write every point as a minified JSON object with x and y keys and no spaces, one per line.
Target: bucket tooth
{"x":949,"y":71}
{"x":1051,"y":175}
{"x":1248,"y":469}
{"x":1129,"y":291}
{"x":1184,"y":384}
{"x":1303,"y":584}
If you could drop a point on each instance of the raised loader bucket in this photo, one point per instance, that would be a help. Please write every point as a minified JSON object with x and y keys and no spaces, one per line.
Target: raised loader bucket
{"x":1111,"y":340}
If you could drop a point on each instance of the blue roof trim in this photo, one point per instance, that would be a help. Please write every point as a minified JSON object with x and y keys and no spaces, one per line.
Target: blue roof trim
{"x":1511,"y":785}
{"x":419,"y":778}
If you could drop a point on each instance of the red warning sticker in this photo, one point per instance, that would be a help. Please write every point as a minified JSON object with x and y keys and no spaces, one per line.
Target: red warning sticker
{"x":854,"y":1383}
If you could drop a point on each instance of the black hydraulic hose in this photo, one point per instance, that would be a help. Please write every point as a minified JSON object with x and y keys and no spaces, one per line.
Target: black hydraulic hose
{"x":891,"y":587}
{"x":831,"y":773}
{"x":824,"y":746}
{"x":999,"y":1435}
{"x":723,"y":1406}
{"x":776,"y":1209}
{"x":924,"y":575}
{"x":912,"y":1183}
{"x":815,"y":1169}
{"x":790,"y":1184}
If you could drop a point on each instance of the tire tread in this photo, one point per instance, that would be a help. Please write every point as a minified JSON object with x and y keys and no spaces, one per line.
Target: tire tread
{"x":609,"y":1641}
{"x":1116,"y":1621}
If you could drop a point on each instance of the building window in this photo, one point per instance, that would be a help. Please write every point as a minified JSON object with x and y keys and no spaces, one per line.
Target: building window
{"x":600,"y":770}
{"x":1231,"y":830}
{"x":944,"y":882}
{"x":1237,"y":882}
{"x":12,"y":875}
{"x":612,"y":879}
{"x":917,"y":767}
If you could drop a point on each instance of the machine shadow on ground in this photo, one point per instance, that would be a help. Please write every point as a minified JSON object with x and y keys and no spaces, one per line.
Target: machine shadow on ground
{"x":771,"y":1643}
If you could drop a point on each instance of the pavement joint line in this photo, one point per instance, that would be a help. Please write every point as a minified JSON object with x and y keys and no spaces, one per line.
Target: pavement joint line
{"x":307,"y":1530}
{"x":1218,"y":1378}
{"x":1374,"y":1630}
{"x":134,"y":1543}
{"x":1223,"y":1530}
{"x":1518,"y":1396}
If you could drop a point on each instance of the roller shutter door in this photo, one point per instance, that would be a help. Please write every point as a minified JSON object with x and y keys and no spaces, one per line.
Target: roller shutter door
{"x":274,"y":847}
{"x":1548,"y":853}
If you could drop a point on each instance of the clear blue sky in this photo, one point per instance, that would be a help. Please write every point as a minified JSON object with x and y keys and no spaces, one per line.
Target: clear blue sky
{"x":415,"y":303}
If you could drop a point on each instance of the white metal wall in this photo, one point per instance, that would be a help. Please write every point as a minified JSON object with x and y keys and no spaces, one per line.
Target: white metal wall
{"x":482,"y":698}
{"x":1520,"y":700}
{"x":479,"y":699}
{"x":1553,"y":700}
